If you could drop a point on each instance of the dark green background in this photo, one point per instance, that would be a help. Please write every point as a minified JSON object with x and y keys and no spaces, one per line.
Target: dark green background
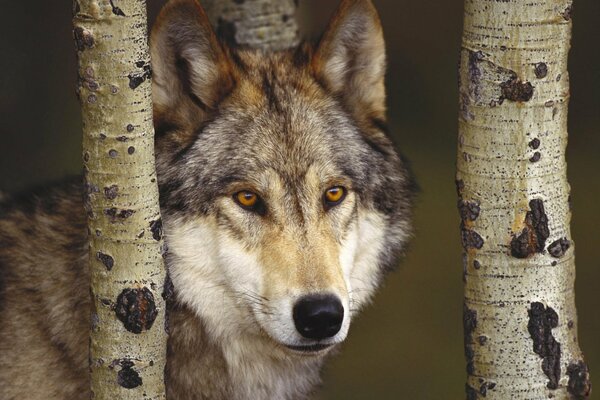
{"x":408,"y":344}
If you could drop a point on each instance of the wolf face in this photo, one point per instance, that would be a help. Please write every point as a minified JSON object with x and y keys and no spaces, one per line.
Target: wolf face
{"x":284,"y":201}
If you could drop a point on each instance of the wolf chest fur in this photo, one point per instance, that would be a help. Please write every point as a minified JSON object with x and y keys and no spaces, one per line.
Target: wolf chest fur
{"x":284,"y":204}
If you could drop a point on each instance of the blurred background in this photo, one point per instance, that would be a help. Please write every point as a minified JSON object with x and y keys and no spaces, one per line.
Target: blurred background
{"x":409,"y":343}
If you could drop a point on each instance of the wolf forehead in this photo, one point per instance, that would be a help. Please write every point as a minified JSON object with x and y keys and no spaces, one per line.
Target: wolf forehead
{"x":278,"y":118}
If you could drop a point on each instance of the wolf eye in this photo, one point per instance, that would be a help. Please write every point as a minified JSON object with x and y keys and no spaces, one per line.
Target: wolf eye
{"x":334,"y":196}
{"x":249,"y":201}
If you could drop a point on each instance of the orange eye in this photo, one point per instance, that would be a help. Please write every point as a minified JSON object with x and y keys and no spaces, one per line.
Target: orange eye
{"x":250,"y":201}
{"x":246,"y":199}
{"x":334,"y":196}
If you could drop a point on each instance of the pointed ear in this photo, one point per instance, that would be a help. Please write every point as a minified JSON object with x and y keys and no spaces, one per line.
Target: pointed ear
{"x":191,"y":71}
{"x":350,"y":58}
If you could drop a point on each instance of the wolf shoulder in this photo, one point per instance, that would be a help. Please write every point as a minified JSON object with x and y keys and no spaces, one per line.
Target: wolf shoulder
{"x":44,"y":295}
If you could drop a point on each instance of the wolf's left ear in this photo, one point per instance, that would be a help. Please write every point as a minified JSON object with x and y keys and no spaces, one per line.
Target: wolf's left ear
{"x":350,"y":58}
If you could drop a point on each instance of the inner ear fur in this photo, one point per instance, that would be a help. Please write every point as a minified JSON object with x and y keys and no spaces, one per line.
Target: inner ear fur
{"x":192,"y":72}
{"x":350,"y":58}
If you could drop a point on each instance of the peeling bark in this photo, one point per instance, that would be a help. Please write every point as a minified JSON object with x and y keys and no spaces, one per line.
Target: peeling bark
{"x":520,"y":317}
{"x":127,"y":342}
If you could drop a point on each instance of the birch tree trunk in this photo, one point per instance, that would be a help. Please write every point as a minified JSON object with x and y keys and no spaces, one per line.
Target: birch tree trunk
{"x":128,"y":341}
{"x":261,"y":24}
{"x":519,"y":315}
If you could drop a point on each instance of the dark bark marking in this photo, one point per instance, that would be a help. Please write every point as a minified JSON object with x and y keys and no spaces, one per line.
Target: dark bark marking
{"x":485,"y":386}
{"x":91,"y":84}
{"x":559,"y":247}
{"x":168,"y":296}
{"x":112,"y":153}
{"x":469,"y":210}
{"x":567,"y":13}
{"x":533,"y":237}
{"x":469,"y":238}
{"x":536,"y":157}
{"x":579,"y":384}
{"x":472,"y":88}
{"x":127,"y":377}
{"x":516,"y":90}
{"x":111,"y":192}
{"x":130,"y":150}
{"x":541,"y":322}
{"x":476,"y":264}
{"x":157,"y":229}
{"x":460,"y":186}
{"x":117,"y":10}
{"x":115,"y":214}
{"x":535,"y":144}
{"x":105,"y":259}
{"x":541,"y":70}
{"x":130,"y":128}
{"x":136,"y":309}
{"x":122,"y":138}
{"x":469,"y":325}
{"x":83,"y":38}
{"x":137,"y":78}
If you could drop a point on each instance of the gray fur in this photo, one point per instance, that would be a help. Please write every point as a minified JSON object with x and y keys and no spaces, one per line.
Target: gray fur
{"x":281,"y":114}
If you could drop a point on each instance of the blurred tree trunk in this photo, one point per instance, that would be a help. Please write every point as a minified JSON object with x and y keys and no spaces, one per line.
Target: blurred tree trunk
{"x":128,"y":341}
{"x":261,"y":24}
{"x":519,"y":315}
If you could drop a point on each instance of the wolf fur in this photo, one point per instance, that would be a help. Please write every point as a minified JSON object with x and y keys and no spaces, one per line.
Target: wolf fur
{"x":286,"y":126}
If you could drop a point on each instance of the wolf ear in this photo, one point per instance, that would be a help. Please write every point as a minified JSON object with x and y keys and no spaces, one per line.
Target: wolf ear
{"x":350,"y":58}
{"x":191,"y":71}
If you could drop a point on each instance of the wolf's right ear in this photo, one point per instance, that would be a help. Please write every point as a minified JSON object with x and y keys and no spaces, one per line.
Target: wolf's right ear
{"x":350,"y":58}
{"x":191,"y":71}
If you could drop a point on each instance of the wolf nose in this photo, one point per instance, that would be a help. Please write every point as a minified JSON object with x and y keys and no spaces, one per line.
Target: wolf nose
{"x":318,"y":316}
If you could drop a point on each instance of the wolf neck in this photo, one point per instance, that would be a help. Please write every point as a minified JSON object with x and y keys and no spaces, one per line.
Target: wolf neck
{"x":237,"y":369}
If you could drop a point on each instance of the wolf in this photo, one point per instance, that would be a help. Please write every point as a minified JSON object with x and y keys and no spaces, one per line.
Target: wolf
{"x":284,"y":204}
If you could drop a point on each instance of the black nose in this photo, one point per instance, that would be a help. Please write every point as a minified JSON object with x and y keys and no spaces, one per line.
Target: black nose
{"x":318,"y":316}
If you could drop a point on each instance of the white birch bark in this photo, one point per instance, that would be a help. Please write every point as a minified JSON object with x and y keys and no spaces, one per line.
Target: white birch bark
{"x":520,"y":318}
{"x":128,"y":340}
{"x":261,"y":24}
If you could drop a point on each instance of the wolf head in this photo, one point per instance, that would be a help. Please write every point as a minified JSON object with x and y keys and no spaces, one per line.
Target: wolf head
{"x":283,"y":198}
